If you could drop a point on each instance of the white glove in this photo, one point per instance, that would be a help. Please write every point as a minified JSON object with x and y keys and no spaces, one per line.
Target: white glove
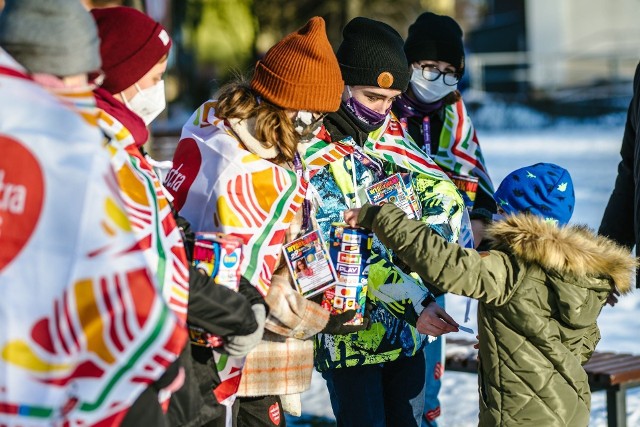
{"x":241,"y":345}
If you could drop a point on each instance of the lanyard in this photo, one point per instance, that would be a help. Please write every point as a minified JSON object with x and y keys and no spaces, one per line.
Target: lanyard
{"x":306,"y":205}
{"x":426,"y":135}
{"x":371,"y":164}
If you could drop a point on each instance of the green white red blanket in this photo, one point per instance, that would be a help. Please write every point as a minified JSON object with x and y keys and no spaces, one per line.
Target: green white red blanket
{"x":458,"y":148}
{"x":389,"y":143}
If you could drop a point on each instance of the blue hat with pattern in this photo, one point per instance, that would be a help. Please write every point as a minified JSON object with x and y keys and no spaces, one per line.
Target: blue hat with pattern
{"x":543,"y":189}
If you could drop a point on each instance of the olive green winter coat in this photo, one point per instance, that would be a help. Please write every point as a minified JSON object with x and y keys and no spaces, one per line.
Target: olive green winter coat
{"x":540,"y":291}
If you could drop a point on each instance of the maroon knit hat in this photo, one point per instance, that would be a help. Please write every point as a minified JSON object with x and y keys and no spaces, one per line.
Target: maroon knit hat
{"x":131,"y":43}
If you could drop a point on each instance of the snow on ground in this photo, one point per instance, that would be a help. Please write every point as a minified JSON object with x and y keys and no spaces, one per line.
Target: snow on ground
{"x":590,"y":151}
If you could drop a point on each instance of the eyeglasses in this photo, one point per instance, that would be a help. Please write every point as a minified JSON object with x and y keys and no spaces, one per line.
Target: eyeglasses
{"x":433,"y":73}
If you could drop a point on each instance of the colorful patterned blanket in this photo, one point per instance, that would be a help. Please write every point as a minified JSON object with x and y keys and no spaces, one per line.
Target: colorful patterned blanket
{"x":458,"y":148}
{"x":84,"y":327}
{"x":220,"y":186}
{"x":150,"y":214}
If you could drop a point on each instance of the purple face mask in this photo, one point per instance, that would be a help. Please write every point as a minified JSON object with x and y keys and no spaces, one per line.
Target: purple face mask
{"x":367,"y":115}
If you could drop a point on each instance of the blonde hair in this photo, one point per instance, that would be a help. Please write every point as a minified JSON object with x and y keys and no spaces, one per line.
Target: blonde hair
{"x":273,"y":127}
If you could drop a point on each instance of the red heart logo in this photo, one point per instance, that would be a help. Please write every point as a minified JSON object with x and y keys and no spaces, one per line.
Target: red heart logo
{"x":21,"y":194}
{"x":274,"y":413}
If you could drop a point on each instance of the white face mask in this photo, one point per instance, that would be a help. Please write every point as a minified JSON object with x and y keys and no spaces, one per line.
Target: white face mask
{"x":306,"y":124}
{"x":426,"y":91}
{"x":147,"y":103}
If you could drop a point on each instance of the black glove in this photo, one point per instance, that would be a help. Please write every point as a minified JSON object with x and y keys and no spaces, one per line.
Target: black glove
{"x":247,"y":290}
{"x":336,"y":326}
{"x":188,"y":236}
{"x":368,"y":308}
{"x":218,"y":309}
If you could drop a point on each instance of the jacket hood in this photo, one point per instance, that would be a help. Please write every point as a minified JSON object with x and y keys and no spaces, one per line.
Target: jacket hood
{"x":246,"y":130}
{"x":571,"y":250}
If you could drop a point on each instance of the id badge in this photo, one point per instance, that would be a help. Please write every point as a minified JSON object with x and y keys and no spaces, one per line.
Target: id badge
{"x":309,"y":263}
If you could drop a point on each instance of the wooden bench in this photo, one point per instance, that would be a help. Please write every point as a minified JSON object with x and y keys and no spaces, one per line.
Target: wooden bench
{"x":614,"y":373}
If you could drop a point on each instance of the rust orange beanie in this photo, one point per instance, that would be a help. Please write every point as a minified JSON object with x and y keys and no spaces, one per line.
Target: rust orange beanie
{"x":301,"y":71}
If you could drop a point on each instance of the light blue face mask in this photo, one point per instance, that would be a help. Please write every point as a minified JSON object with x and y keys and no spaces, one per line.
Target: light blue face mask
{"x":429,"y":91}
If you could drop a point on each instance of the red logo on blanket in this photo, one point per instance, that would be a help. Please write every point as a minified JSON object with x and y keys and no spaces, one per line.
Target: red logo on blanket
{"x":21,"y":193}
{"x":432,"y":414}
{"x":186,"y":165}
{"x":438,"y":370}
{"x":274,"y":413}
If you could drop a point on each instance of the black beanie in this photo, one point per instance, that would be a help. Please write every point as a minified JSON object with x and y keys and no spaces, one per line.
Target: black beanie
{"x":371,"y":54}
{"x":437,"y":38}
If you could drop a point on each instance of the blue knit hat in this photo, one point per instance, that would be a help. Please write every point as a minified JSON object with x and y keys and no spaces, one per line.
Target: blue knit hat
{"x":543,"y":189}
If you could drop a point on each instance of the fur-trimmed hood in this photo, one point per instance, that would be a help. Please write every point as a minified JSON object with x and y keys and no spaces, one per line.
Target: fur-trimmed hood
{"x":573,"y":249}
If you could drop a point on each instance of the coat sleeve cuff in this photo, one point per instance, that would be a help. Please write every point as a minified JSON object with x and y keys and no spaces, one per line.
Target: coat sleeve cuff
{"x":367,"y":215}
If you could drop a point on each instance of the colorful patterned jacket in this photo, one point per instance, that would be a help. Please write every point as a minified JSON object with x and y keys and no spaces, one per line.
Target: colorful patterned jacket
{"x":338,"y":179}
{"x":209,"y":306}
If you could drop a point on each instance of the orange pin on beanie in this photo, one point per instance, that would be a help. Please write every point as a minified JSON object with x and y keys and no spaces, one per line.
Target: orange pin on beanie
{"x":301,"y":71}
{"x":131,"y":43}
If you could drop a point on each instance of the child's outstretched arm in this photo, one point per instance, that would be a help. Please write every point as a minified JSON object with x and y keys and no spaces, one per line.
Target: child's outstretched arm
{"x":490,"y":277}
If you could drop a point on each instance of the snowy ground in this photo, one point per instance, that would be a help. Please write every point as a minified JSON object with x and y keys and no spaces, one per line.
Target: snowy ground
{"x":590,"y":153}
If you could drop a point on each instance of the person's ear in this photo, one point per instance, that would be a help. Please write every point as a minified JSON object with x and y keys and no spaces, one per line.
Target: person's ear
{"x":346,"y":94}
